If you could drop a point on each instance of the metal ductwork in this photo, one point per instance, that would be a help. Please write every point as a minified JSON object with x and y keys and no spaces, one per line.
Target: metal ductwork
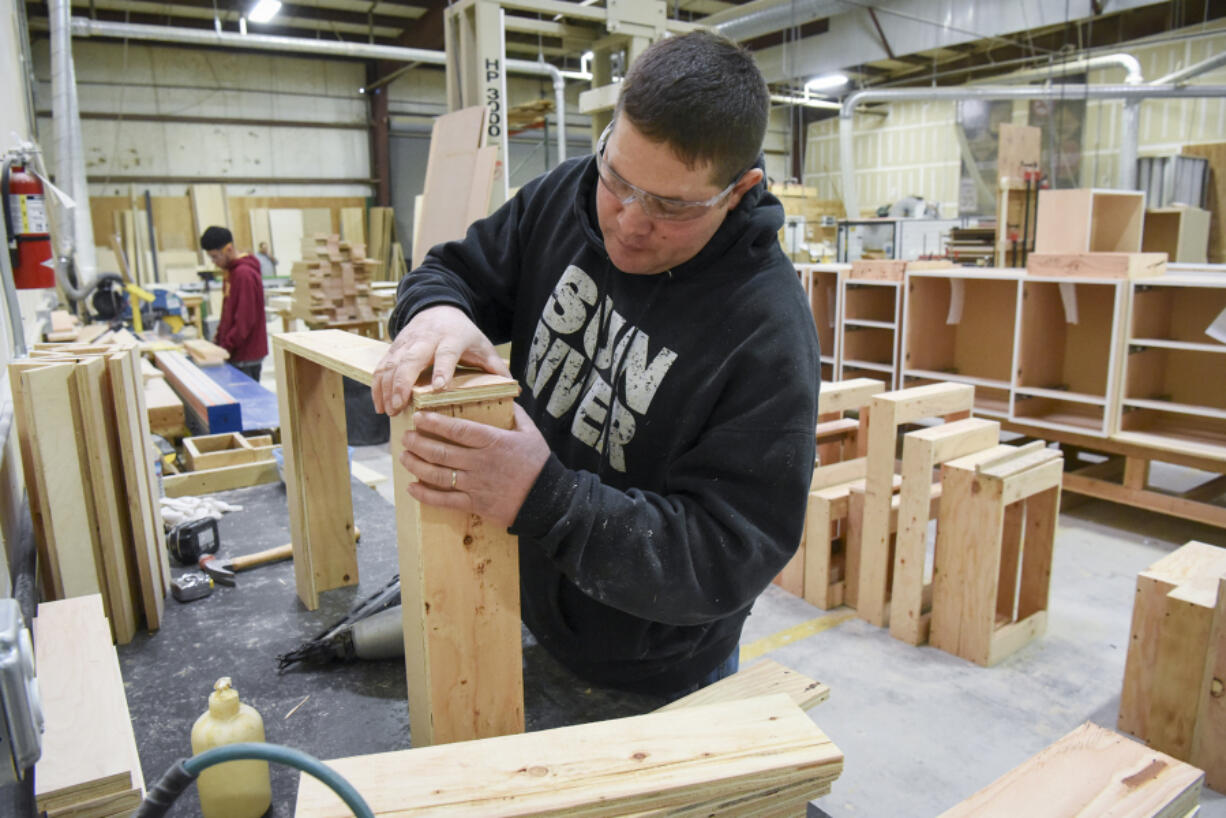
{"x":75,"y":232}
{"x":1184,"y":74}
{"x":1131,"y":94}
{"x":84,"y":27}
{"x":766,"y":16}
{"x":1131,"y":65}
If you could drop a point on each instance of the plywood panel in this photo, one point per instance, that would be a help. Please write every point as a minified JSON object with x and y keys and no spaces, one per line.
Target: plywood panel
{"x":317,"y":221}
{"x":208,"y":208}
{"x":286,"y":228}
{"x":261,"y":232}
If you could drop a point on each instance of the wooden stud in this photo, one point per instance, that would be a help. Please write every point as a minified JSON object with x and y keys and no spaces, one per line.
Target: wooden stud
{"x":460,"y":590}
{"x":1209,"y":736}
{"x":1174,"y":698}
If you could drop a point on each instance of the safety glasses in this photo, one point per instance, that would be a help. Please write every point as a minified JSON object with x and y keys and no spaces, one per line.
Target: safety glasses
{"x":654,"y":207}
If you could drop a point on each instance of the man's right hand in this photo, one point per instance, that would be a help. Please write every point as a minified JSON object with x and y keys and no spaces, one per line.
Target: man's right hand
{"x":444,"y":335}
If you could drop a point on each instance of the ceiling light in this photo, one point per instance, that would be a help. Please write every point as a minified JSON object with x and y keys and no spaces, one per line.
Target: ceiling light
{"x":264,"y":10}
{"x":826,"y":82}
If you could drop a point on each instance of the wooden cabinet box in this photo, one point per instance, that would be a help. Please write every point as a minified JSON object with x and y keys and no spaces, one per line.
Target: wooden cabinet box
{"x":960,"y":327}
{"x":822,"y":286}
{"x":869,"y":330}
{"x":1067,"y":354}
{"x":1174,"y":389}
{"x":1180,"y":232}
{"x":1089,"y":220}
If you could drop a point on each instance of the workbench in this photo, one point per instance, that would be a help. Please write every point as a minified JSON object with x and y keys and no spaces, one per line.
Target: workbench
{"x":341,"y":710}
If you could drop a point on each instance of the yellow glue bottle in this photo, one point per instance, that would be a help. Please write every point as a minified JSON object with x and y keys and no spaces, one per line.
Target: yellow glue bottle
{"x":235,"y":789}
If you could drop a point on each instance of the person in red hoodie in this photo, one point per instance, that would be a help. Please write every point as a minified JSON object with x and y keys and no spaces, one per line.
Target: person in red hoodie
{"x":242,"y":331}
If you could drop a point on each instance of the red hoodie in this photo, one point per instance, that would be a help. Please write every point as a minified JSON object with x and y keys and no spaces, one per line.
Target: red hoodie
{"x":242,"y":331}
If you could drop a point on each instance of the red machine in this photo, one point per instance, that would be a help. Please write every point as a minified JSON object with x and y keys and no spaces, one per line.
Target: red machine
{"x":25,"y":222}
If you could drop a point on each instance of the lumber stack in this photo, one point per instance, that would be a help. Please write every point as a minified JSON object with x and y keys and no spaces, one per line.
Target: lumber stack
{"x":757,"y":756}
{"x":1172,"y":693}
{"x":205,"y":353}
{"x":89,"y":767}
{"x":89,"y":470}
{"x":332,"y":282}
{"x":1091,"y":771}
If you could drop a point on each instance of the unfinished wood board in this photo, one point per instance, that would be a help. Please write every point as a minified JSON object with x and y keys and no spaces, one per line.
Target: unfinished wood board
{"x":165,"y":408}
{"x":148,"y":536}
{"x":888,"y":412}
{"x":261,"y":231}
{"x":763,"y":678}
{"x":101,"y":437}
{"x":922,"y":451}
{"x":353,"y":225}
{"x":1209,"y":735}
{"x":354,"y":356}
{"x":1016,"y":153}
{"x":88,"y":749}
{"x":637,"y":765}
{"x":313,"y":443}
{"x":1096,"y":265}
{"x":1091,"y":771}
{"x":459,"y":178}
{"x":460,"y":594}
{"x":61,"y":479}
{"x":224,"y":478}
{"x":205,"y":353}
{"x":286,"y":228}
{"x":209,"y":209}
{"x":317,"y":221}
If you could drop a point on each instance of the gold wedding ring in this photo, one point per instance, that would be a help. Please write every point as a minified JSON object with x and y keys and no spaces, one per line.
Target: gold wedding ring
{"x":453,"y":476}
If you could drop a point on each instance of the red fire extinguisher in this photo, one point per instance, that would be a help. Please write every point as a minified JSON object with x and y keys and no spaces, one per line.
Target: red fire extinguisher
{"x":25,"y":222}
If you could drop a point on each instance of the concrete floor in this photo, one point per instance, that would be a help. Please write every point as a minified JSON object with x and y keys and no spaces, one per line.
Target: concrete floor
{"x":922,"y":729}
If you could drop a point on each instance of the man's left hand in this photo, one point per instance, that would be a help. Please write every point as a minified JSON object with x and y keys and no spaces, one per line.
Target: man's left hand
{"x":474,"y":467}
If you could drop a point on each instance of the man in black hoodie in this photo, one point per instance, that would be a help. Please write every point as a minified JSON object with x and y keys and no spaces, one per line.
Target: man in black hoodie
{"x":663,"y":445}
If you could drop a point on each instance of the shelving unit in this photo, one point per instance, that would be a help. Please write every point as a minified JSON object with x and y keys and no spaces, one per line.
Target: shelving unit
{"x":822,"y":285}
{"x":960,"y":326}
{"x":1175,"y":372}
{"x":1067,"y":354}
{"x":868,"y":329}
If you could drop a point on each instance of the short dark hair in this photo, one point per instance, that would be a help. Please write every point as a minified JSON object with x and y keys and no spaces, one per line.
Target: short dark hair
{"x":215,"y":238}
{"x":703,"y":95}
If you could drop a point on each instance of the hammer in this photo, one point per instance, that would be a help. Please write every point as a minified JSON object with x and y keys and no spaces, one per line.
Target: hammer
{"x":224,"y":570}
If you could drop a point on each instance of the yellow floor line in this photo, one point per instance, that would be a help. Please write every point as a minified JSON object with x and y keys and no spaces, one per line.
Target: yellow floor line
{"x":794,"y":634}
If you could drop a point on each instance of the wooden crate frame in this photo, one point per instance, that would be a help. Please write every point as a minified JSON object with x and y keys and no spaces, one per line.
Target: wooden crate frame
{"x":961,"y":326}
{"x":1180,"y":232}
{"x":890,"y":411}
{"x":446,"y":645}
{"x":823,"y":287}
{"x":227,"y":449}
{"x":922,"y":451}
{"x":995,"y":535}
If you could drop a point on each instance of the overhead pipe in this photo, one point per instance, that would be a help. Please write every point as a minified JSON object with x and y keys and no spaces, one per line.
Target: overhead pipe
{"x":75,"y":233}
{"x":1128,"y":93}
{"x":767,"y":17}
{"x":1184,"y":74}
{"x":1133,"y":75}
{"x":85,"y":27}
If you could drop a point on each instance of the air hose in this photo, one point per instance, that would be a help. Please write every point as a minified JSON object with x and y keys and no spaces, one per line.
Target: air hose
{"x":180,"y":776}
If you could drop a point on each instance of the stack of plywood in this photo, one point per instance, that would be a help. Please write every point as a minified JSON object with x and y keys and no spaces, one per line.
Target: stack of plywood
{"x":332,"y":282}
{"x":89,"y":470}
{"x":89,"y":766}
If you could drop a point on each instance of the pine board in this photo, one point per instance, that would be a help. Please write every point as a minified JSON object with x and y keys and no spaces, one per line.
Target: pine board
{"x":624,"y":766}
{"x":286,"y":228}
{"x":1091,"y":771}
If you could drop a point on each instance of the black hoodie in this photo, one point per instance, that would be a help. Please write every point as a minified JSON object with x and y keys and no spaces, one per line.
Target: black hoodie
{"x":679,"y":409}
